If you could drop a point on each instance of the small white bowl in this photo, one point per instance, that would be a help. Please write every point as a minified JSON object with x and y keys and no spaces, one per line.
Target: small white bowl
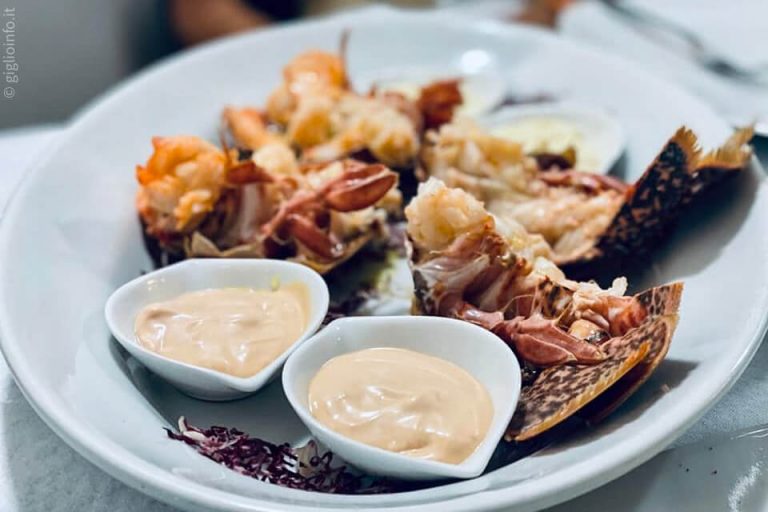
{"x":600,"y":130}
{"x":191,"y":275}
{"x":473,"y":348}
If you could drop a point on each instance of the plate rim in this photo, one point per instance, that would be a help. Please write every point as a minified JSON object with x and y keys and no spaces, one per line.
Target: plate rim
{"x":122,"y":464}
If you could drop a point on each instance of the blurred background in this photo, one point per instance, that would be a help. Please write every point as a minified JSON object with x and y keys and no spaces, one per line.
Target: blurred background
{"x":66,"y":52}
{"x":69,"y":51}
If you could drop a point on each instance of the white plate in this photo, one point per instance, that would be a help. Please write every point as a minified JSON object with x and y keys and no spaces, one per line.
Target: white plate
{"x":71,"y":236}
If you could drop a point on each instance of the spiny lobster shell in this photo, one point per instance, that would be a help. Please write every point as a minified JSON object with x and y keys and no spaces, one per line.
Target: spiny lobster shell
{"x":677,"y":175}
{"x":475,"y":275}
{"x":560,"y":392}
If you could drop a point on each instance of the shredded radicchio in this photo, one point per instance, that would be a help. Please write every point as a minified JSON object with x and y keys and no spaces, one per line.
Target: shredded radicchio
{"x":302,"y":468}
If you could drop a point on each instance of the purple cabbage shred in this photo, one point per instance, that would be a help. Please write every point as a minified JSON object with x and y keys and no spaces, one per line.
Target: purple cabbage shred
{"x":302,"y":468}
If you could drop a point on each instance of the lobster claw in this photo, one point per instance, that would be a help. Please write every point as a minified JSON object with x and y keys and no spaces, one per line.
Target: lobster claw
{"x":359,"y":187}
{"x":307,"y":233}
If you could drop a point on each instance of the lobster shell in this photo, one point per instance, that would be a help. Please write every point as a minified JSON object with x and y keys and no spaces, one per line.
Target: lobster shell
{"x":561,"y":391}
{"x":675,"y":178}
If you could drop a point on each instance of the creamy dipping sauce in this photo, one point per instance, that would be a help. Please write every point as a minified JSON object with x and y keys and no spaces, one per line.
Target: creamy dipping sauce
{"x":237,"y":331}
{"x":402,"y":401}
{"x":545,"y":134}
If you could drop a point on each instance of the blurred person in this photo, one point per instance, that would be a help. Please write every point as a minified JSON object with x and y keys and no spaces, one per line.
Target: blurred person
{"x":196,"y":21}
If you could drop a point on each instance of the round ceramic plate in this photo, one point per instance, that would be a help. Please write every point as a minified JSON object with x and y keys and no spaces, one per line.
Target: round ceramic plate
{"x":71,"y":236}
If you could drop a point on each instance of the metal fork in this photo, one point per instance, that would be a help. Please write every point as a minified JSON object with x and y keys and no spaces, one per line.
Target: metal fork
{"x":699,"y":51}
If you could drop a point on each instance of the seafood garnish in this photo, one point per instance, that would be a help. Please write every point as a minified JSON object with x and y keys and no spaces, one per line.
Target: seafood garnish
{"x":468,"y":265}
{"x":584,"y":218}
{"x":203,"y":201}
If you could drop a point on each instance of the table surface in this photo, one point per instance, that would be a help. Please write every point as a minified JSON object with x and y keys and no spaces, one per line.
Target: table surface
{"x":38,"y":471}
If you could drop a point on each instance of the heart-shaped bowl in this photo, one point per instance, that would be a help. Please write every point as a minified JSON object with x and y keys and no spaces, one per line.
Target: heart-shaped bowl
{"x":481,"y":353}
{"x":127,"y":301}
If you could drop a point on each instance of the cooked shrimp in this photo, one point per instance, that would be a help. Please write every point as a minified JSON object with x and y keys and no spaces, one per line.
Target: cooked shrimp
{"x":313,"y":73}
{"x":364,"y":123}
{"x":312,"y":121}
{"x":180,"y":183}
{"x":327,"y":121}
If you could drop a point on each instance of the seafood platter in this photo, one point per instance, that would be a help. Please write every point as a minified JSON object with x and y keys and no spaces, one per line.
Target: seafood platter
{"x":399,"y":285}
